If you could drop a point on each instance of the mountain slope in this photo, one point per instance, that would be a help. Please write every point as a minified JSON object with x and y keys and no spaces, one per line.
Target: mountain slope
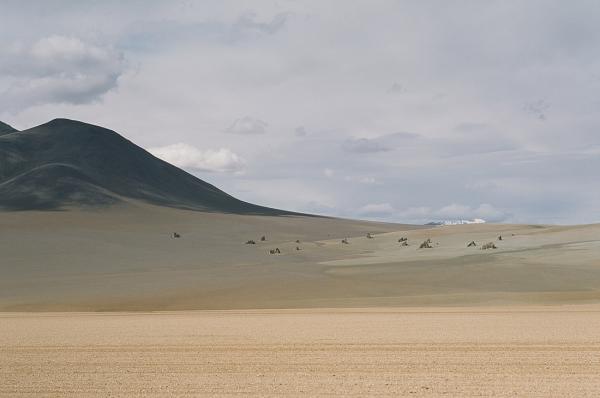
{"x":66,"y":163}
{"x":6,"y":129}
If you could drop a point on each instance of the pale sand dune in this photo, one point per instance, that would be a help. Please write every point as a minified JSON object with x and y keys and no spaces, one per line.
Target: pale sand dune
{"x":496,"y":351}
{"x":124,"y":259}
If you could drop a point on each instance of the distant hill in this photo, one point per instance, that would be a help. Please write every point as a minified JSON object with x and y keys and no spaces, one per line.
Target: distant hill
{"x":67,"y":163}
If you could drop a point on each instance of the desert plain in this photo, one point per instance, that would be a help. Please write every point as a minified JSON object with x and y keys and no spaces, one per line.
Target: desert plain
{"x":108,"y":303}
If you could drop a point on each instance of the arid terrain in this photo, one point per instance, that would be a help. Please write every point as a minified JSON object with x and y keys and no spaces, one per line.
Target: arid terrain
{"x":125,"y":259}
{"x":206,"y":314}
{"x":429,"y":352}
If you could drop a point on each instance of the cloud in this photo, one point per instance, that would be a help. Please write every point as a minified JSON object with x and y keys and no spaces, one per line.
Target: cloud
{"x":364,"y":145}
{"x":58,"y":69}
{"x":361,"y":179}
{"x":537,"y":109}
{"x":469,"y":138}
{"x":376,"y":210}
{"x":383,"y":143}
{"x":247,"y":22}
{"x":454,"y":212}
{"x":396,"y":88}
{"x":300,"y":131}
{"x":330,"y":173}
{"x":247,"y":125}
{"x":189,"y":157}
{"x":154,"y":34}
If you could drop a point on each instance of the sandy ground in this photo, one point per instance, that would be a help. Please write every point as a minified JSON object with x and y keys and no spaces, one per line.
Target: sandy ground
{"x":452,"y":320}
{"x":459,"y":352}
{"x":125,"y":260}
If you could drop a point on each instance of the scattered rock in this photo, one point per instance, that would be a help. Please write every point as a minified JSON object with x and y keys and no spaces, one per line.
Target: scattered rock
{"x":275,"y":251}
{"x":500,"y":237}
{"x":403,"y":240}
{"x":263,"y":238}
{"x":489,"y":245}
{"x":345,"y":241}
{"x":175,"y":235}
{"x":250,"y":242}
{"x":405,"y":243}
{"x":369,"y":236}
{"x":472,"y":243}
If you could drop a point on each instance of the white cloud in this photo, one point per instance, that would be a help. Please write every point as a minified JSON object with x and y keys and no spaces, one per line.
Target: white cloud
{"x":453,"y":213}
{"x":361,"y":179}
{"x":189,"y":157}
{"x":490,"y":213}
{"x":247,"y":125}
{"x":328,"y":173}
{"x":364,"y":145}
{"x":58,"y":69}
{"x":247,"y":22}
{"x":376,"y":210}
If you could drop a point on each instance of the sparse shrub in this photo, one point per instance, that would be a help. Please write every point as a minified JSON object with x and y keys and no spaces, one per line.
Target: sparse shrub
{"x":426,"y":244}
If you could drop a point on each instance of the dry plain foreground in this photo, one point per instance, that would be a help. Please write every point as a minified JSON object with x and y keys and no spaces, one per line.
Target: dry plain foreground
{"x":106,"y":303}
{"x":429,"y":352}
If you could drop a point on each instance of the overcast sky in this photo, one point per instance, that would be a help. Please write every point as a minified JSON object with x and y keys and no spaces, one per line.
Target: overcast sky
{"x":406,"y":111}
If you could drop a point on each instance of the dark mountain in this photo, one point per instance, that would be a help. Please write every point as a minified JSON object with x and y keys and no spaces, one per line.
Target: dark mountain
{"x":6,"y":129}
{"x":66,"y":163}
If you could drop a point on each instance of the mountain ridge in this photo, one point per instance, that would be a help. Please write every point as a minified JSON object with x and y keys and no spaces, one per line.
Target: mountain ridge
{"x":67,"y":163}
{"x":6,"y":129}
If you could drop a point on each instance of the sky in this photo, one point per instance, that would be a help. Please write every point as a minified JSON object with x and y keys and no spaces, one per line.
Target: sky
{"x":405,"y":111}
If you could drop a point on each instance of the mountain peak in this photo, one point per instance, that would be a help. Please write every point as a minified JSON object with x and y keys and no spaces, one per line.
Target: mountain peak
{"x":60,"y":121}
{"x":67,"y":163}
{"x":63,"y":125}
